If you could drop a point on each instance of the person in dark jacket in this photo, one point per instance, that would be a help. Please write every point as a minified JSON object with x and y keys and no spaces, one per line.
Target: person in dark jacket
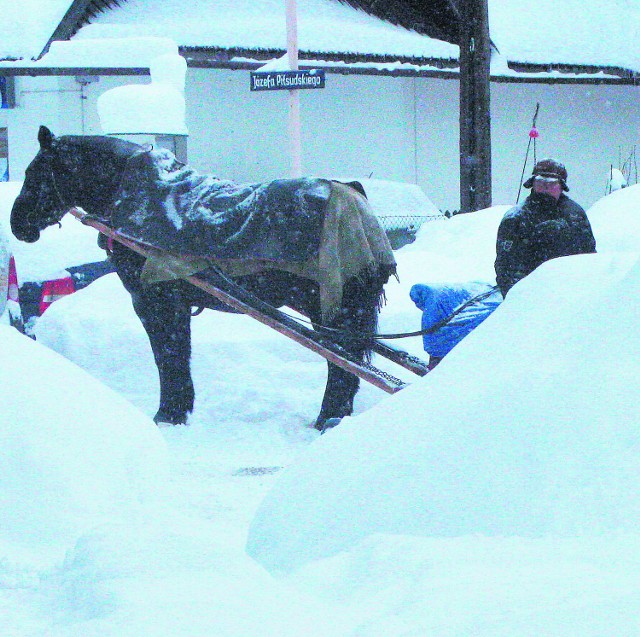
{"x":546,"y":225}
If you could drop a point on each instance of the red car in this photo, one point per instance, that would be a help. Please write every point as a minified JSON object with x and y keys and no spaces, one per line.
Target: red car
{"x":9,"y":297}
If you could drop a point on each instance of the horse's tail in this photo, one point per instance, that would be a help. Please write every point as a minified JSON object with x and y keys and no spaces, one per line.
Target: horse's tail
{"x":355,"y":262}
{"x":354,"y":249}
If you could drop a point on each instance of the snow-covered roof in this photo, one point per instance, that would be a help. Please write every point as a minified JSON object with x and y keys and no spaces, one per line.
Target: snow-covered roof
{"x":575,"y":38}
{"x":583,"y":33}
{"x":324,"y":26}
{"x":27,"y":26}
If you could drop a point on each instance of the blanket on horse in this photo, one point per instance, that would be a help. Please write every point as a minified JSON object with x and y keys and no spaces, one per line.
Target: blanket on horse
{"x":171,"y":206}
{"x":314,"y":228}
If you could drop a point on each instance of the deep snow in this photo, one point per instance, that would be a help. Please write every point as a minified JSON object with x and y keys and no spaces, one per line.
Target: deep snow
{"x":496,"y":496}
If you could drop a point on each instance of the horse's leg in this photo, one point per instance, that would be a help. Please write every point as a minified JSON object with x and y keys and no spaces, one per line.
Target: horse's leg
{"x":340,"y":391}
{"x":167,"y":320}
{"x":358,"y":314}
{"x":166,"y":317}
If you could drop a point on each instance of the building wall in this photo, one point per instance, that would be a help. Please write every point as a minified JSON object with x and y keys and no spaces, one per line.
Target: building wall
{"x":587,"y":127}
{"x":54,"y":102}
{"x":404,"y":129}
{"x":356,"y":127}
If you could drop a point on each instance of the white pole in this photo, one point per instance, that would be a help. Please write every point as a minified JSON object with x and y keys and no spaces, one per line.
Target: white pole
{"x":294,"y":95}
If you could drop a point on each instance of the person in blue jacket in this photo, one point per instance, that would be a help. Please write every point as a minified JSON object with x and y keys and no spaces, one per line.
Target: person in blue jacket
{"x":546,"y":225}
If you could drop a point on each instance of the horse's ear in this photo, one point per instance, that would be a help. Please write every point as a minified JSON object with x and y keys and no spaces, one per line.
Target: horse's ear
{"x":45,"y":137}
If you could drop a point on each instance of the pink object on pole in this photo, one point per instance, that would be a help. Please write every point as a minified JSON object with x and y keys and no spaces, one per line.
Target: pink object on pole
{"x":294,"y":95}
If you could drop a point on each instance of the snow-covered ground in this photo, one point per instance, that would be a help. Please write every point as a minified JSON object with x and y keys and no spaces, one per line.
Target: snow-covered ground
{"x":497,"y":496}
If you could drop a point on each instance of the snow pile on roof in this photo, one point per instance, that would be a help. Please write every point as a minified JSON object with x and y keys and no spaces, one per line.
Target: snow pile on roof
{"x":74,"y":454}
{"x":598,"y":32}
{"x":323,"y":25}
{"x":601,"y":33}
{"x":129,"y":52}
{"x":157,"y":108}
{"x":27,"y":26}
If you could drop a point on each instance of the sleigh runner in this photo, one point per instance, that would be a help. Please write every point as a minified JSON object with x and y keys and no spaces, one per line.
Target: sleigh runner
{"x":244,"y":302}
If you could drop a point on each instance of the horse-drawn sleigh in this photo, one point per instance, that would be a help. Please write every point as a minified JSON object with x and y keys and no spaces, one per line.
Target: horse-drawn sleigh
{"x":312,"y":245}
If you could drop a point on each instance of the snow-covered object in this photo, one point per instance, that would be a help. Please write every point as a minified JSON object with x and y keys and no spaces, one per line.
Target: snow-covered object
{"x":171,"y":69}
{"x":127,"y":52}
{"x":396,"y":198}
{"x":73,"y":453}
{"x":616,"y":180}
{"x":157,"y":108}
{"x":153,"y":109}
{"x":481,"y":446}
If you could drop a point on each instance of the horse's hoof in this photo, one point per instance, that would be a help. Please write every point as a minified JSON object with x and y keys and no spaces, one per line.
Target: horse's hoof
{"x":329,"y":423}
{"x":161,"y":424}
{"x":162,"y":420}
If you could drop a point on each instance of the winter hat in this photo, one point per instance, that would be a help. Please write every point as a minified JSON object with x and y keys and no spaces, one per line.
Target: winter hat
{"x":549,"y":170}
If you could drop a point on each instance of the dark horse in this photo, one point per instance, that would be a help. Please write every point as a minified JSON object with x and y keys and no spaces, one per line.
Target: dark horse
{"x":87,"y":172}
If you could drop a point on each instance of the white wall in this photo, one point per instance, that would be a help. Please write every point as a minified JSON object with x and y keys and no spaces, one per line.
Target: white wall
{"x":404,"y":129}
{"x":584,"y":126}
{"x":357,"y":126}
{"x":437,"y":151}
{"x":54,"y":102}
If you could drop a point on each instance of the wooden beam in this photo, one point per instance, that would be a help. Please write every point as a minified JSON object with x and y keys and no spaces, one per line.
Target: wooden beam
{"x":475,"y":115}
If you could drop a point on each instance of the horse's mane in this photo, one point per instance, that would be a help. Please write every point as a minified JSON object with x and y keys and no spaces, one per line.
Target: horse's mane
{"x":99,"y":143}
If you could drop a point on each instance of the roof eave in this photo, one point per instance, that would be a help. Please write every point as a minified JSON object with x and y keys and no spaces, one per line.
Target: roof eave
{"x":77,"y":15}
{"x":349,"y":63}
{"x":563,"y":73}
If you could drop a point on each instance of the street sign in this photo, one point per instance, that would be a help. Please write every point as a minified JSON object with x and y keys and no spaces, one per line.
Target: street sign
{"x":287,"y":80}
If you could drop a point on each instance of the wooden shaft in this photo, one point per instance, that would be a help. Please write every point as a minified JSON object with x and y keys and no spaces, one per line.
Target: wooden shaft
{"x":402,"y":358}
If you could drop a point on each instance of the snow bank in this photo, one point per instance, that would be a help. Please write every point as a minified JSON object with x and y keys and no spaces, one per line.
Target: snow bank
{"x":73,"y":453}
{"x":527,"y":426}
{"x":615,"y":220}
{"x":537,"y":438}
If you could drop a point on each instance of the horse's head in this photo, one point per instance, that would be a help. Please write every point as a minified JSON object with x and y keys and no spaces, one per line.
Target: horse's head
{"x":68,"y":171}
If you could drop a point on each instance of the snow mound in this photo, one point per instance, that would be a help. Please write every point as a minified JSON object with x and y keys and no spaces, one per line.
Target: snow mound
{"x":615,"y":220}
{"x":517,"y":450}
{"x":73,"y":453}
